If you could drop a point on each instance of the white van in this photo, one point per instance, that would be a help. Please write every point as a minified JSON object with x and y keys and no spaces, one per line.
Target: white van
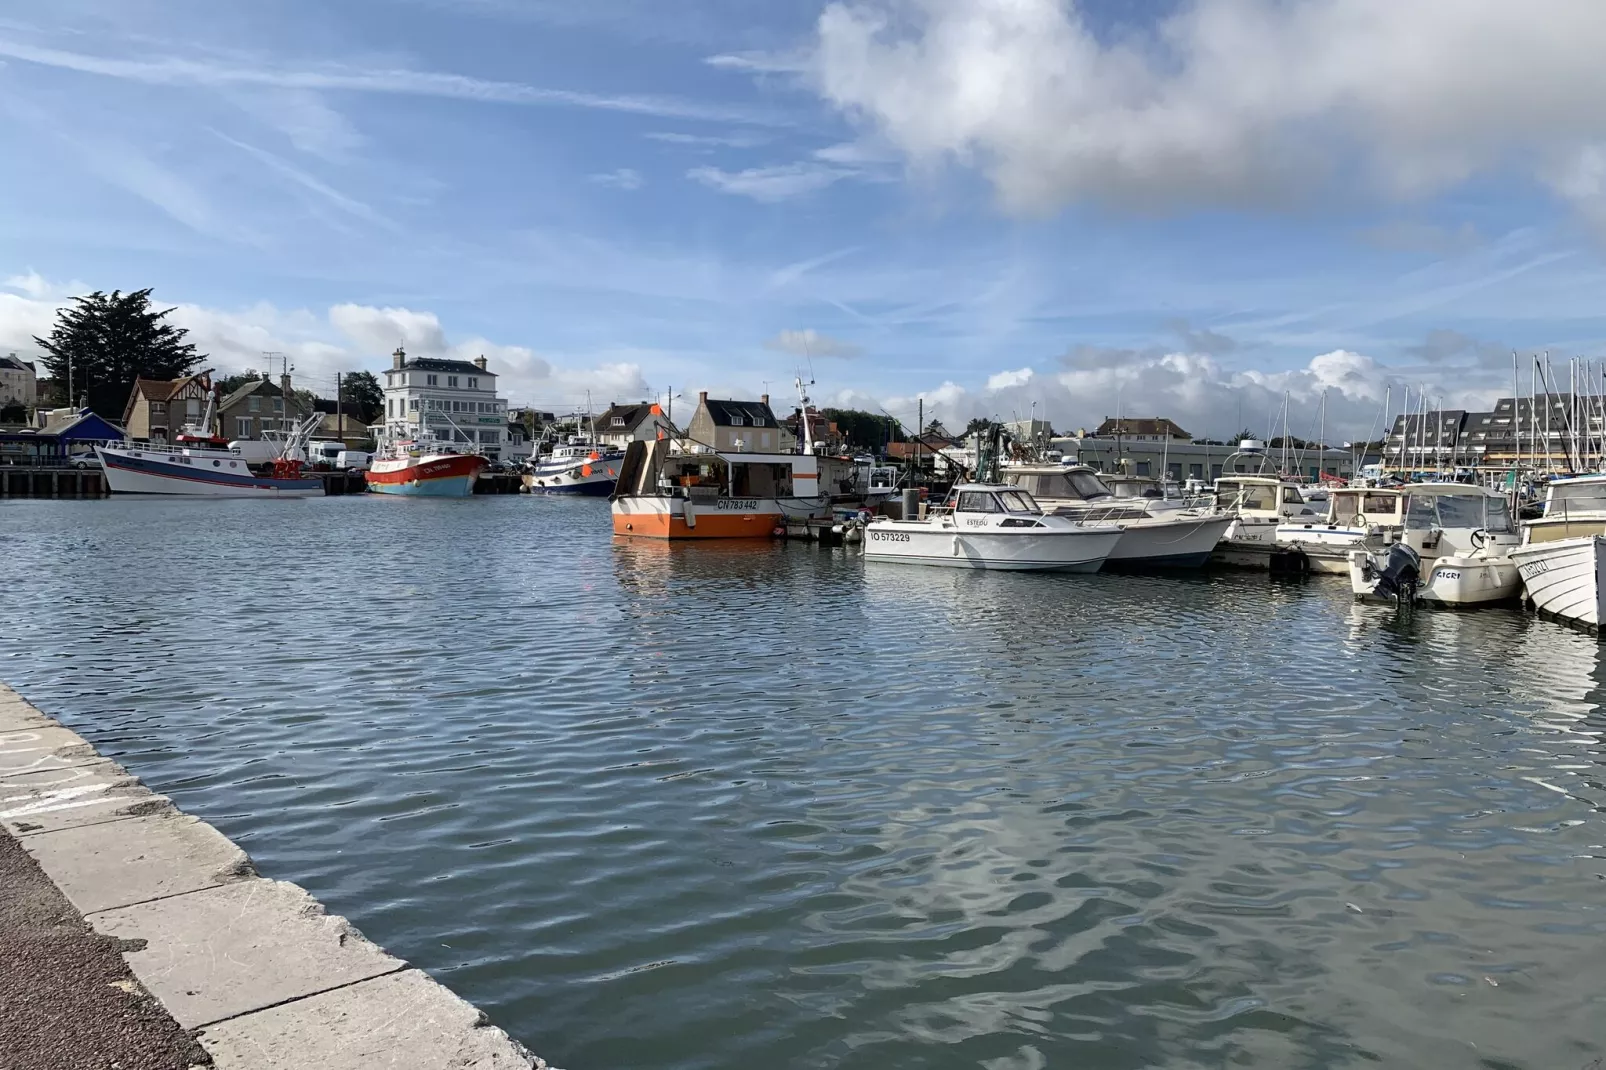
{"x":324,"y":451}
{"x":353,"y":460}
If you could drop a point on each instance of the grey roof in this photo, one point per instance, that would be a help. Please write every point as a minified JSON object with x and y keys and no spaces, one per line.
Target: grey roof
{"x":14,"y":363}
{"x":752,"y":413}
{"x":632,"y":415}
{"x":439,"y":364}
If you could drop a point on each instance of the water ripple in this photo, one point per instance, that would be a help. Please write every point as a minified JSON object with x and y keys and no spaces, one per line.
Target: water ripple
{"x":677,"y":807}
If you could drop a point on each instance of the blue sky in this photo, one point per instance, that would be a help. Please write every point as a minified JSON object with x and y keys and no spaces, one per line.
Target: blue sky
{"x":1186,"y":208}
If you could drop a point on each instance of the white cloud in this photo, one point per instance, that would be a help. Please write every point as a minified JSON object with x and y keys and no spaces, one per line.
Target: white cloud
{"x":770,"y":185}
{"x":1006,"y":380}
{"x":759,"y":62}
{"x":811,"y":343}
{"x":1230,"y":101}
{"x":380,"y":330}
{"x":734,"y":141}
{"x":624,"y":178}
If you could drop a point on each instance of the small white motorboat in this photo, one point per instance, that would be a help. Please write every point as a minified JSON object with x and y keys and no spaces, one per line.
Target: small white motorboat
{"x":995,"y":526}
{"x":1563,"y":555}
{"x":1454,"y":550}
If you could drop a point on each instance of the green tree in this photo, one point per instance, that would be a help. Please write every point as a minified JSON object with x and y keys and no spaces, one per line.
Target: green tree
{"x":109,"y":340}
{"x":230,"y":383}
{"x":364,"y":394}
{"x":864,"y":430}
{"x":13,"y":412}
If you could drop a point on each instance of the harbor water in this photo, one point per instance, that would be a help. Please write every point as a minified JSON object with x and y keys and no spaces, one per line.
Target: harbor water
{"x":771,"y":805}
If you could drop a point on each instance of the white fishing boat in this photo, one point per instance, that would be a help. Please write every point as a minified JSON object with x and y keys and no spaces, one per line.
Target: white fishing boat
{"x":1454,"y":551}
{"x":992,"y":526}
{"x":1563,"y":556}
{"x":1357,"y":518}
{"x":1157,"y":533}
{"x":1257,"y":505}
{"x":202,"y":464}
{"x":578,"y":466}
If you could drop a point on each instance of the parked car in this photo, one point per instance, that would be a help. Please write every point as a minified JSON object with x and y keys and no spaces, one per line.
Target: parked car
{"x":84,"y":460}
{"x":353,"y":461}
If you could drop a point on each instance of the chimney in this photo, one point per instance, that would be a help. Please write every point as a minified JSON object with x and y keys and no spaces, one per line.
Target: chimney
{"x":702,"y":397}
{"x":398,"y":358}
{"x":479,"y":362}
{"x":764,"y":399}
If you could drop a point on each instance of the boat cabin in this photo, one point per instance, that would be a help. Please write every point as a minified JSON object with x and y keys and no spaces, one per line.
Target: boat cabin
{"x":654,"y":469}
{"x":1573,"y":507}
{"x":1367,"y":507}
{"x":1453,"y":512}
{"x":1077,"y":483}
{"x":1125,"y":486}
{"x":1261,"y":498}
{"x":1003,"y":504}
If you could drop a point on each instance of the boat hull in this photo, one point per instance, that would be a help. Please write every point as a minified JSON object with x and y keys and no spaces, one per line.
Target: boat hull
{"x":1563,"y":579}
{"x":594,"y":487}
{"x":427,"y":477}
{"x":721,"y":518}
{"x":1064,"y":551}
{"x":1247,"y":544}
{"x":1172,"y":542}
{"x":1453,"y":581}
{"x":134,"y":471}
{"x":1326,"y":548}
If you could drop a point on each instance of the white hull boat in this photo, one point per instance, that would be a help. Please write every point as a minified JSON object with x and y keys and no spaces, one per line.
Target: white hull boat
{"x":1453,"y":549}
{"x":992,"y":527}
{"x":1158,"y":532}
{"x":196,"y":473}
{"x":1563,"y":578}
{"x":1169,"y":540}
{"x":1453,"y":581}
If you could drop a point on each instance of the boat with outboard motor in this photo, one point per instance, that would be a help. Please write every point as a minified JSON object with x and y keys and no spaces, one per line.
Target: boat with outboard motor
{"x":202,"y":464}
{"x":1454,"y":550}
{"x":1175,"y":536}
{"x":1255,"y":494}
{"x":1356,"y":517}
{"x":992,"y":526}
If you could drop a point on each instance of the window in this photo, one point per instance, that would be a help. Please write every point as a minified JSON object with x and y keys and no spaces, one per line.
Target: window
{"x":1196,"y":471}
{"x":1143,"y":468}
{"x":412,"y":404}
{"x":737,"y":421}
{"x":976,"y":501}
{"x":491,"y":438}
{"x":1174,"y":469}
{"x":158,"y":408}
{"x":430,"y":380}
{"x":253,"y":404}
{"x":278,"y":404}
{"x":242,"y":427}
{"x":473,"y":383}
{"x":192,"y":408}
{"x":618,"y":421}
{"x":451,"y":380}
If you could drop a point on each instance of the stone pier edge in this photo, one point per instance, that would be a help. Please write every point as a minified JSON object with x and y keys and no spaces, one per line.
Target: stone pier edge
{"x":263,"y":976}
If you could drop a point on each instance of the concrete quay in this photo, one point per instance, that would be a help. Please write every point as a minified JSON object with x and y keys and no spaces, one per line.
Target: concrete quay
{"x":252,"y":968}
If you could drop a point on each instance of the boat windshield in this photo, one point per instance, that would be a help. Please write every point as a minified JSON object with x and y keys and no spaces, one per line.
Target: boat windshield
{"x":1244,"y":496}
{"x":1080,"y":485}
{"x":1442,"y":511}
{"x":1016,"y":501}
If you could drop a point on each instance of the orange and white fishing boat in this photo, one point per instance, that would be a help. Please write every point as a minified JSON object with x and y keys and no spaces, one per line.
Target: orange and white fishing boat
{"x":423,"y":465}
{"x":672,"y":490}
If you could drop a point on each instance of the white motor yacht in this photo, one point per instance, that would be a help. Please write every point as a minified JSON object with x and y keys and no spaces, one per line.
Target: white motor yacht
{"x":992,"y":526}
{"x":1454,"y":550}
{"x":1257,"y":506}
{"x":1563,"y":553}
{"x":1156,"y":533}
{"x":1357,"y":518}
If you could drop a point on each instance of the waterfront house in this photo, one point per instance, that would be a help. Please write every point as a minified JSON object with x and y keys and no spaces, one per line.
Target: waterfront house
{"x":158,"y":408}
{"x":456,"y":400}
{"x":19,"y":384}
{"x":735,"y":426}
{"x":259,"y":406}
{"x":623,"y":424}
{"x":1141,"y":429}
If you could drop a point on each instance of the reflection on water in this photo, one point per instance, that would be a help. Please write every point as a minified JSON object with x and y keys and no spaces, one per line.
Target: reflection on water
{"x":710,"y":806}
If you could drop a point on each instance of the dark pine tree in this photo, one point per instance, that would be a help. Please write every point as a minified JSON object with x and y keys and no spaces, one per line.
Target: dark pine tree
{"x":364,"y":396}
{"x":109,"y":340}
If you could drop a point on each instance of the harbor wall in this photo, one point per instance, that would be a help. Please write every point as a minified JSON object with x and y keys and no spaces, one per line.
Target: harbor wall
{"x":254,"y":968}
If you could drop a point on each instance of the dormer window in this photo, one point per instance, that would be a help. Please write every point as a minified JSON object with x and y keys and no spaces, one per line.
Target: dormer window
{"x":618,"y":421}
{"x":737,"y":421}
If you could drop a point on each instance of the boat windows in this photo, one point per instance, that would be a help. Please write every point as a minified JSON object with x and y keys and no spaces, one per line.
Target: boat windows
{"x":761,"y":480}
{"x":1087,"y":485}
{"x":1018,"y":502}
{"x":1291,"y":496}
{"x":977,"y":501}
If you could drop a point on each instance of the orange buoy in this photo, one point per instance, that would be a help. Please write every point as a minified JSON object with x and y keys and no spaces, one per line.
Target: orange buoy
{"x":585,"y":469}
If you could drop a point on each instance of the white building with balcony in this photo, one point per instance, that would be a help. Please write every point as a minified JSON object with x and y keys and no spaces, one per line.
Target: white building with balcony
{"x":456,"y":400}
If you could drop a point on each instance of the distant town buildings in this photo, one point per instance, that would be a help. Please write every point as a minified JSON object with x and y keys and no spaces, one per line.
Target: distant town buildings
{"x":19,"y":383}
{"x":158,"y":408}
{"x":1548,"y":431}
{"x":735,"y":426}
{"x":456,"y":400}
{"x":1142,"y":429}
{"x":621,"y":425}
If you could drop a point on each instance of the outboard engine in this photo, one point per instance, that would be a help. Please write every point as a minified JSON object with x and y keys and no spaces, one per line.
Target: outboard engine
{"x":1398,"y":573}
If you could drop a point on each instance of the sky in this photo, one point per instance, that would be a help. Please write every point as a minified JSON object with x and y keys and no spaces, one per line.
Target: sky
{"x":1007,"y":208}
